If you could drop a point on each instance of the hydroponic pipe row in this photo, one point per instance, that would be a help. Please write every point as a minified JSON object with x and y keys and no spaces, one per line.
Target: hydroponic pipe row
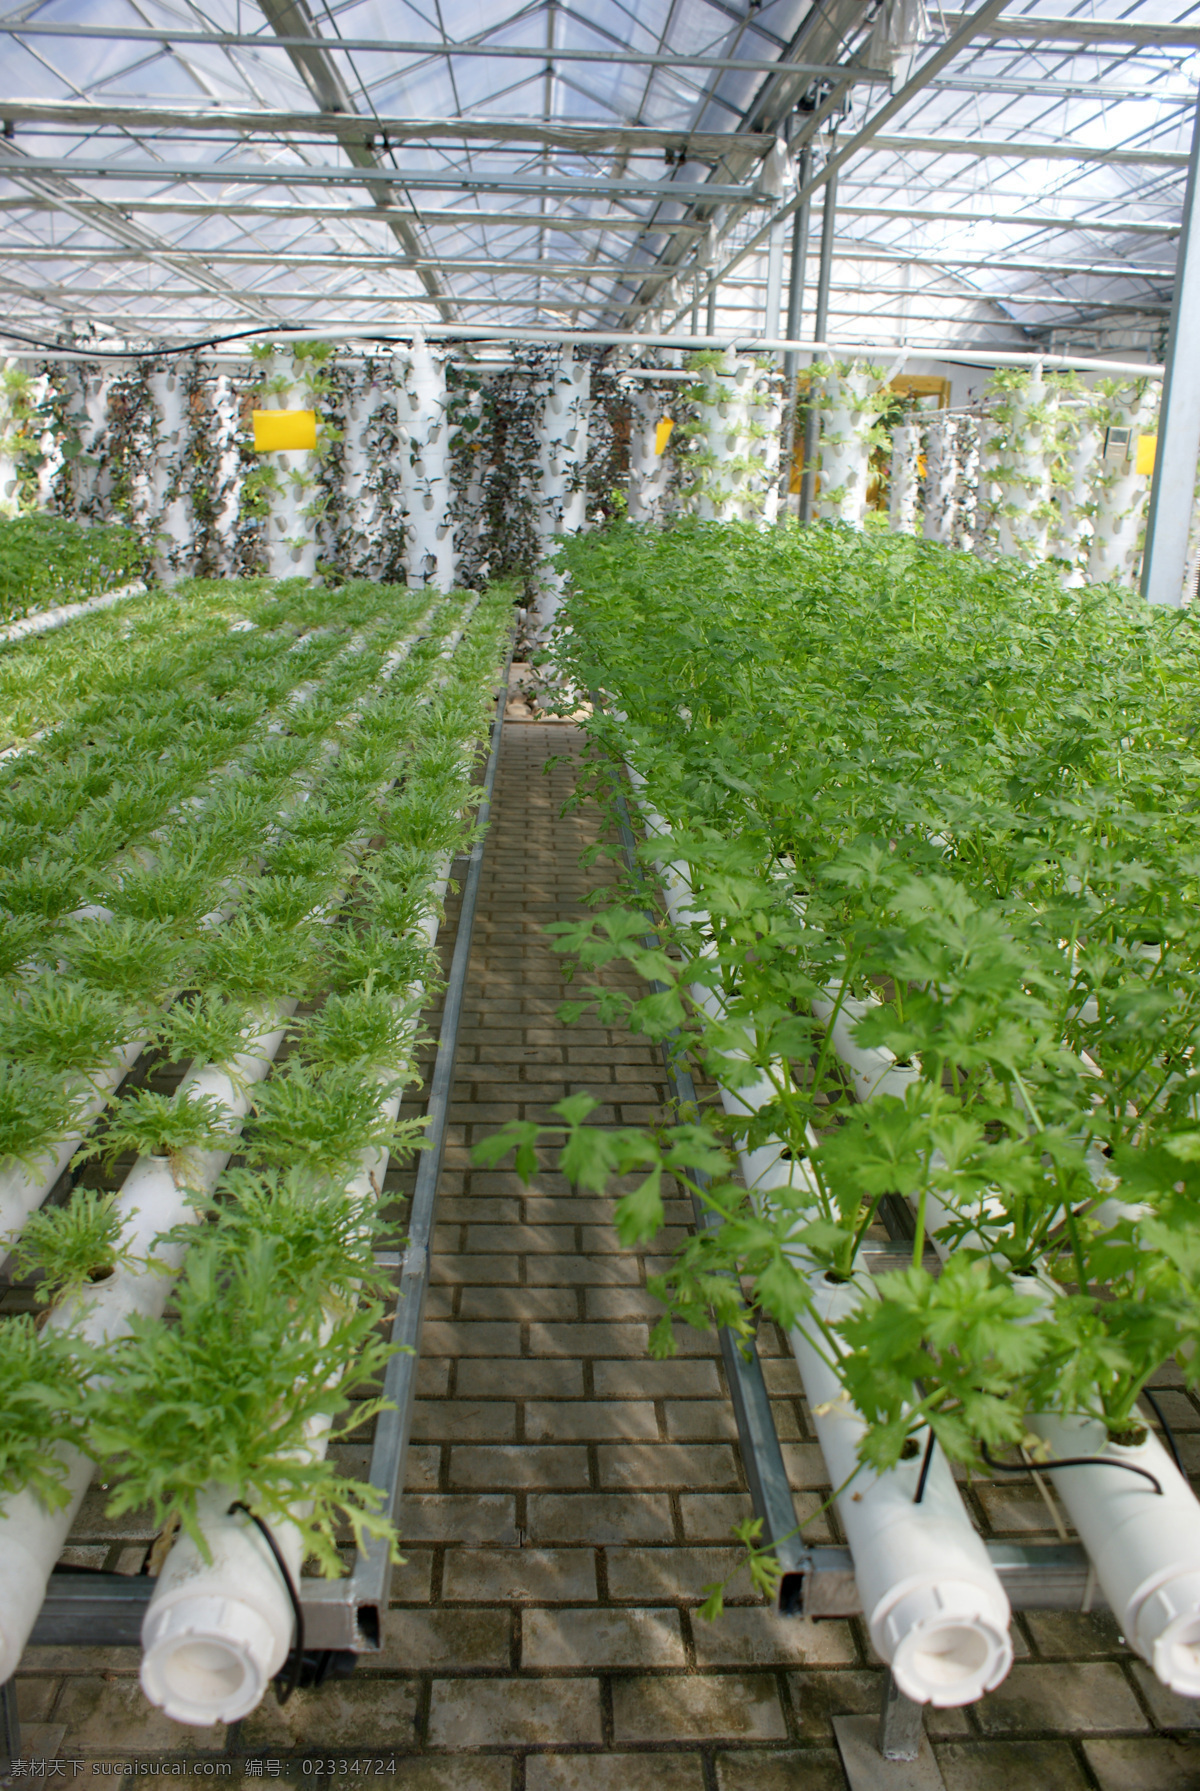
{"x":322,"y":1111}
{"x":78,"y":1039}
{"x":948,"y":810}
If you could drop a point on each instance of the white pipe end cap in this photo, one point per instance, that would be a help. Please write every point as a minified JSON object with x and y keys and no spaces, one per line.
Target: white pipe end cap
{"x":206,"y":1659}
{"x":1167,"y":1633}
{"x":944,"y":1645}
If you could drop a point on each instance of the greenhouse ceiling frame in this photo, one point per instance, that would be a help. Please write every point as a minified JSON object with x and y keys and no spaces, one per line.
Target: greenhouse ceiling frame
{"x":544,"y":153}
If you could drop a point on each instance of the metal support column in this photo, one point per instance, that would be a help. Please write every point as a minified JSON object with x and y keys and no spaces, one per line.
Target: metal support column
{"x":1172,"y":494}
{"x":890,"y":1752}
{"x":812,"y":427}
{"x":774,"y":293}
{"x":791,"y":361}
{"x":710,"y":316}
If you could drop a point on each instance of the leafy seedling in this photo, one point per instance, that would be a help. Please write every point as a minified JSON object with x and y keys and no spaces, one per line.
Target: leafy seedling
{"x":72,"y":1246}
{"x":43,"y":1385}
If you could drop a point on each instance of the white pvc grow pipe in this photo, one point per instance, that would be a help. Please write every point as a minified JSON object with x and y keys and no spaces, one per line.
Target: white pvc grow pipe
{"x":151,"y":1201}
{"x":935,"y":1607}
{"x":215,"y":1633}
{"x":48,"y":619}
{"x":1145,"y":1547}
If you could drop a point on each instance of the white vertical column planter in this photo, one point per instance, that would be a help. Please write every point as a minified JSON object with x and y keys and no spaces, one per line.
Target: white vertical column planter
{"x":1082,"y":439}
{"x":847,"y":418}
{"x":291,"y":536}
{"x":162,"y":512}
{"x":966,"y":437}
{"x":359,"y":531}
{"x":902,"y":498}
{"x":10,"y":436}
{"x":87,"y":400}
{"x":721,"y":413}
{"x":425,"y":469}
{"x":562,"y":459}
{"x":649,"y":471}
{"x":765,"y":425}
{"x":50,"y":448}
{"x":941,"y":479}
{"x":1026,"y":414}
{"x":1120,"y":494}
{"x":224,"y":422}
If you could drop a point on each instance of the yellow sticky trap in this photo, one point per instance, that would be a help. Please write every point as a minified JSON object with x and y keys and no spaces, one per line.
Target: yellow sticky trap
{"x":662,"y":434}
{"x":1147,"y":447}
{"x":279,"y":430}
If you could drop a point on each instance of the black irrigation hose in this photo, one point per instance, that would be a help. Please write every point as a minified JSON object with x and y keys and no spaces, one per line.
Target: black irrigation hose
{"x":1172,"y":1445}
{"x":289,"y":1582}
{"x":926,"y":1464}
{"x":1069,"y":1461}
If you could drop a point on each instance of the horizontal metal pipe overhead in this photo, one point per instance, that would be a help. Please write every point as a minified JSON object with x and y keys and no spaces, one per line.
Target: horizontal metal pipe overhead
{"x":1023,"y":151}
{"x":360,"y":214}
{"x":452,"y":180}
{"x":1104,"y":93}
{"x":847,"y":249}
{"x":89,"y":115}
{"x":1084,"y":31}
{"x":395,"y":46}
{"x":1027,"y":220}
{"x":355,"y":297}
{"x":967,"y":353}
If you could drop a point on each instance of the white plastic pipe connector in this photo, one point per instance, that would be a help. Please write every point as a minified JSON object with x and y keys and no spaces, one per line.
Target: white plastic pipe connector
{"x":934,"y":1606}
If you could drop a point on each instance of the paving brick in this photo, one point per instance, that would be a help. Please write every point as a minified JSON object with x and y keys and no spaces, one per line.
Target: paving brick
{"x":754,"y":1636}
{"x":1144,"y":1765}
{"x":475,"y":1270}
{"x":760,"y":1769}
{"x":590,"y":1420}
{"x":666,"y":1708}
{"x":700,"y":1420}
{"x":629,"y":1301}
{"x":676,"y":1575}
{"x":1010,"y":1766}
{"x":657,"y":1380}
{"x":1086,"y":1698}
{"x":422,"y":1468}
{"x":602,"y":1638}
{"x":666,"y":1464}
{"x":474,"y":1421}
{"x":518,"y":1464}
{"x":520,"y":1303}
{"x":507,"y":1712}
{"x":600,"y":1517}
{"x":109,"y":1715}
{"x":416,"y":1641}
{"x":520,"y":1239}
{"x":480,"y":1339}
{"x":548,"y":1379}
{"x":1168,"y":1709}
{"x":1015,"y":1510}
{"x":1066,"y":1635}
{"x":457,"y":1517}
{"x":519,"y":1576}
{"x":615,"y":1772}
{"x":579,"y":1271}
{"x":588,"y":1340}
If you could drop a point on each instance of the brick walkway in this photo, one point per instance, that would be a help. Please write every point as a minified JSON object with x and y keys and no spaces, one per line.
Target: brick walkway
{"x":569,"y":1497}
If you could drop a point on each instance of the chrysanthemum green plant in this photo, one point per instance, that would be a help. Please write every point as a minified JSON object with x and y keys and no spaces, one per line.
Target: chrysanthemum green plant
{"x":72,"y":1246}
{"x":227,"y":1389}
{"x":42,"y":1387}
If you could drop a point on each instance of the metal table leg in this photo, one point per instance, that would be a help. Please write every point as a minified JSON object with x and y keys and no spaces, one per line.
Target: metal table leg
{"x":10,"y":1726}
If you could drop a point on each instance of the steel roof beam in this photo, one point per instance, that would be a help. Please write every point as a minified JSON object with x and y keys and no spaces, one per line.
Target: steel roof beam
{"x":581,"y":138}
{"x":363,"y":214}
{"x":847,"y":249}
{"x":451,"y":47}
{"x":1026,"y":220}
{"x":1036,"y":29}
{"x":302,"y":175}
{"x":291,"y":18}
{"x":981,"y":150}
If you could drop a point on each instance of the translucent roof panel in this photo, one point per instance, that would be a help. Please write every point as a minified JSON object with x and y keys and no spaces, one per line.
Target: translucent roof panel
{"x":171,"y":169}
